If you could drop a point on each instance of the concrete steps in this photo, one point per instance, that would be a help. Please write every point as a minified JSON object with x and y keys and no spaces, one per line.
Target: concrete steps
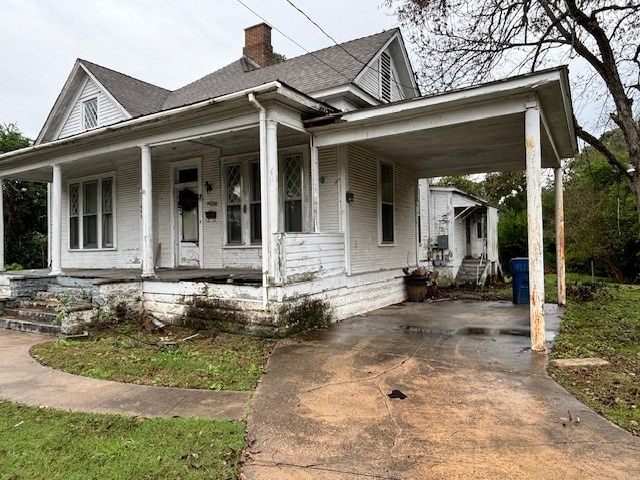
{"x":471,"y":271}
{"x":48,"y":313}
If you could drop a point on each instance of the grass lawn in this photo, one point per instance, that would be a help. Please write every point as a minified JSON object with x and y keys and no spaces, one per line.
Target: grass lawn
{"x":128,"y":353}
{"x":607,"y":327}
{"x":39,"y":443}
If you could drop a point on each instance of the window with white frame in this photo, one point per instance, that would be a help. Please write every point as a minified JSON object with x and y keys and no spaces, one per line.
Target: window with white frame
{"x":386,"y":203}
{"x":243,"y":203}
{"x":90,"y":113}
{"x":293,"y":192}
{"x":91,"y":213}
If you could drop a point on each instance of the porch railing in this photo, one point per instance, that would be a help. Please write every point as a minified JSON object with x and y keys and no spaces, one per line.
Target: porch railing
{"x":306,"y":256}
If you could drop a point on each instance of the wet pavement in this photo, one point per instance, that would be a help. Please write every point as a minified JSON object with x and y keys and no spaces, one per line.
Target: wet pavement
{"x":478,"y":403}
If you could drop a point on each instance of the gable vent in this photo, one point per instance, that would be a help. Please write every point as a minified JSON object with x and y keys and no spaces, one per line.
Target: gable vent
{"x":385,"y":77}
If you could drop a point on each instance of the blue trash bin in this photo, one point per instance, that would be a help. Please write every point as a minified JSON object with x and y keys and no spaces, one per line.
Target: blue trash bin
{"x":519,"y":268}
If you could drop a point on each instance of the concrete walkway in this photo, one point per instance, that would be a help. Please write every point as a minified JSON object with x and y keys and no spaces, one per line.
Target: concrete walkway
{"x":478,"y":403}
{"x":24,"y":380}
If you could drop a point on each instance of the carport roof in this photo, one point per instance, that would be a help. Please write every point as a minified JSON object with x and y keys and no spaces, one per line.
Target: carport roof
{"x":471,"y":130}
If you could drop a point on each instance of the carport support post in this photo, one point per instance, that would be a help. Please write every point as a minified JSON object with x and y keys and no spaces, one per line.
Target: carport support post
{"x":146,"y":202}
{"x":560,"y":257}
{"x":534,"y":225}
{"x":56,"y":221}
{"x":315,"y":187}
{"x":1,"y":226}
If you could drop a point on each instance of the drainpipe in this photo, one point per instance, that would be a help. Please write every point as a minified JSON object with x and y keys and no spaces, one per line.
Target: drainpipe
{"x":263,"y":199}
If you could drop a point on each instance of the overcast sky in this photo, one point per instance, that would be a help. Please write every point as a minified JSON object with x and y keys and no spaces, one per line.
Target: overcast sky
{"x":165,"y":42}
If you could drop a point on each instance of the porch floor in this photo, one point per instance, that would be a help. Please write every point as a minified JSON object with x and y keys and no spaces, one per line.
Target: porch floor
{"x":113,"y":275}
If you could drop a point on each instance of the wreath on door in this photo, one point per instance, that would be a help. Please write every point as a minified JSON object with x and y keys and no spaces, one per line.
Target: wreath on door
{"x":187,"y":199}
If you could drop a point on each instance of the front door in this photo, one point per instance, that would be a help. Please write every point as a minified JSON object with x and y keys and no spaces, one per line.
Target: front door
{"x":187,"y":216}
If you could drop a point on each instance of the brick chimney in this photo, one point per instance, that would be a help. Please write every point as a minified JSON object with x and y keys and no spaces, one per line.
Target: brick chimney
{"x":257,"y":44}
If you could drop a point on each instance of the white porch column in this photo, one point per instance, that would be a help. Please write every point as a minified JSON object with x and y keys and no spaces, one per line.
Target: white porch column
{"x":273,"y":203}
{"x":146,"y":192}
{"x":1,"y":226}
{"x":560,"y":256}
{"x":534,"y":225}
{"x":56,"y":222}
{"x":315,"y":188}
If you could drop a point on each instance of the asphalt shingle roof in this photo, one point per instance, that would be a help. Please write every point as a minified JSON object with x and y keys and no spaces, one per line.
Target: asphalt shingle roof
{"x":326,"y":68}
{"x":137,"y":97}
{"x":323,"y":69}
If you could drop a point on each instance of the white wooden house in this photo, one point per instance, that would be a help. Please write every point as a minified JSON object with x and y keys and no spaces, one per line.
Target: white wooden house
{"x":263,"y":184}
{"x":458,"y":235}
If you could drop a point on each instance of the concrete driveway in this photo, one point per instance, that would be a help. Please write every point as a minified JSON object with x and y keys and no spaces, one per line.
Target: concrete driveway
{"x":478,"y":403}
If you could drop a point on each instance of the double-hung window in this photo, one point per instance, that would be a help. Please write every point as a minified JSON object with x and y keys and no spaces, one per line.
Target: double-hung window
{"x":386,"y":203}
{"x":91,"y":213}
{"x":234,"y":204}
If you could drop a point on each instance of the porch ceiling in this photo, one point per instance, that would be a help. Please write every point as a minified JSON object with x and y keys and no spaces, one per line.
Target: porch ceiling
{"x":493,"y":144}
{"x":474,"y":130}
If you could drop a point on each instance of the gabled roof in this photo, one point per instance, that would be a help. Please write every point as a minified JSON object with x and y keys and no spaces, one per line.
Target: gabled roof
{"x":135,"y":96}
{"x":320,"y":70}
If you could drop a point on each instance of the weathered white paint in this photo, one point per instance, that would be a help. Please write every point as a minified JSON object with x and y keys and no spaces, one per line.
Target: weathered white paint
{"x":56,"y":214}
{"x":329,"y":190}
{"x":534,"y":226}
{"x":315,"y":188}
{"x":1,"y":226}
{"x":344,"y":217}
{"x":492,"y":234}
{"x":309,"y":255}
{"x":366,"y":252}
{"x":560,"y":254}
{"x":271,"y":208}
{"x":126,"y":174}
{"x":146,"y":202}
{"x":108,"y":112}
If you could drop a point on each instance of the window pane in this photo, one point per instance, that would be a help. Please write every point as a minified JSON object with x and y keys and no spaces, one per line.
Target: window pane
{"x":386,"y":182}
{"x":293,"y":193}
{"x":234,"y":185}
{"x":255,"y":182}
{"x":74,"y":233}
{"x":90,"y":231}
{"x":74,"y":192}
{"x":90,"y":198}
{"x":255,"y":210}
{"x":256,"y":223}
{"x":188,"y":175}
{"x":293,"y":216}
{"x":234,"y":224}
{"x":107,"y":184}
{"x":107,"y":230}
{"x":190,"y":225}
{"x":387,"y":223}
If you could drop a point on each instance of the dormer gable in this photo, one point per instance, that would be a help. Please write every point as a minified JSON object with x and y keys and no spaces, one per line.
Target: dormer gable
{"x":389,"y":77}
{"x":92,"y":108}
{"x":94,"y":97}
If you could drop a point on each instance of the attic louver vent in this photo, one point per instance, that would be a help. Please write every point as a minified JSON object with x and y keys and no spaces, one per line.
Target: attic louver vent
{"x":385,"y":77}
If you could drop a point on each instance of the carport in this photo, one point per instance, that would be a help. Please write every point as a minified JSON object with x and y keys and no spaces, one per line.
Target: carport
{"x":521,"y":123}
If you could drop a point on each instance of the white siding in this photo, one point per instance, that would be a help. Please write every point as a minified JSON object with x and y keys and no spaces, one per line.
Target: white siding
{"x":329,"y":190}
{"x":108,"y":112}
{"x":366,"y":252}
{"x":314,"y":254}
{"x":127,"y":204}
{"x":370,"y":80}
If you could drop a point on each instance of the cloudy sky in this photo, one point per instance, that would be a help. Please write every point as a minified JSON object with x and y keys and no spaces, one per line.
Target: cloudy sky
{"x":165,"y":42}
